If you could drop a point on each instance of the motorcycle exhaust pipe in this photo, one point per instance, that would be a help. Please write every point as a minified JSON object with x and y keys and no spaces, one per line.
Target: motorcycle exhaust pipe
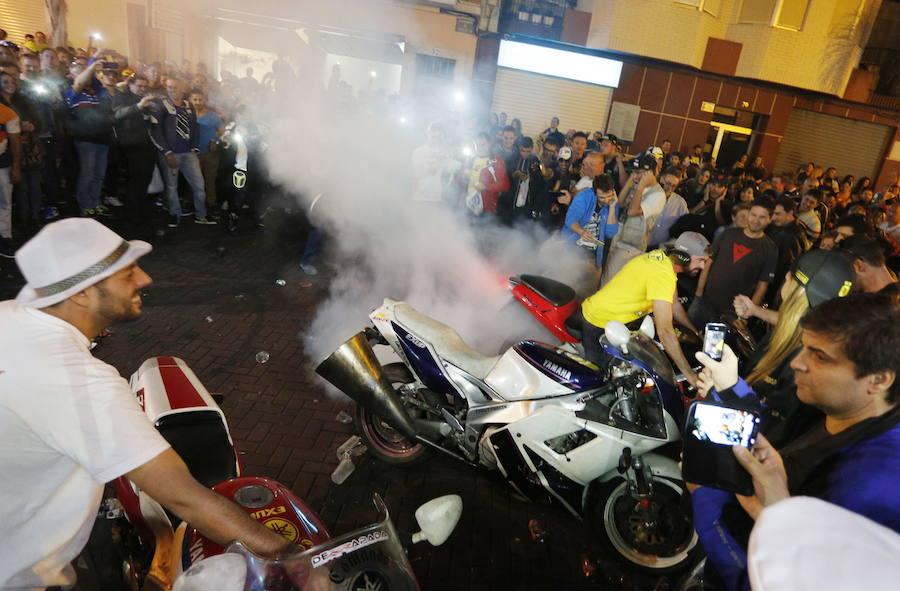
{"x":354,"y":370}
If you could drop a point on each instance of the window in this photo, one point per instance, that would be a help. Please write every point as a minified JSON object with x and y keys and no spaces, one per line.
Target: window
{"x":708,"y":6}
{"x":791,"y":14}
{"x":784,"y":14}
{"x":437,"y":67}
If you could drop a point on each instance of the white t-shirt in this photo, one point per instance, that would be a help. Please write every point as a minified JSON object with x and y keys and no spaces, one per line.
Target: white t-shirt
{"x":68,"y":424}
{"x":892,"y":232}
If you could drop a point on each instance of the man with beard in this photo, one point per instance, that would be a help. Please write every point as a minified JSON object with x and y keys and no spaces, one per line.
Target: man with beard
{"x":646,"y":284}
{"x":69,"y":423}
{"x":743,"y":262}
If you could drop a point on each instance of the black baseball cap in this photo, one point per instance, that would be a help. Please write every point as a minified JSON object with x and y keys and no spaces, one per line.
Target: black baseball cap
{"x":643,"y":162}
{"x":610,"y":138}
{"x":824,"y":275}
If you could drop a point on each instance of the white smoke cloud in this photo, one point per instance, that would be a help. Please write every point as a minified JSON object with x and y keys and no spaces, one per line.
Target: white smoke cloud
{"x":387,"y":244}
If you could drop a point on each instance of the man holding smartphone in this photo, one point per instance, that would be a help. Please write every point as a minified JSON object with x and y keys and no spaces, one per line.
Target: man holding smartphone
{"x":848,"y":368}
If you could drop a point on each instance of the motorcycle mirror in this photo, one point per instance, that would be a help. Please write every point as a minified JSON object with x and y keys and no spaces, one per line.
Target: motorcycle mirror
{"x":226,"y":572}
{"x":647,"y":327}
{"x":618,"y":335}
{"x":437,"y":518}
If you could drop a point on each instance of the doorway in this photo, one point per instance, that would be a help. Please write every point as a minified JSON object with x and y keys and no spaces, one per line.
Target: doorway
{"x":731,"y":135}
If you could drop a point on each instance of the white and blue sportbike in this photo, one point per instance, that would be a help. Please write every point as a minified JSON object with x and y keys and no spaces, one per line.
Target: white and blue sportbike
{"x":601,"y":441}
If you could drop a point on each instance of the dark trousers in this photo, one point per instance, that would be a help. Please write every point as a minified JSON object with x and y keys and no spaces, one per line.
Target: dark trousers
{"x":140,"y":161}
{"x":593,"y":350}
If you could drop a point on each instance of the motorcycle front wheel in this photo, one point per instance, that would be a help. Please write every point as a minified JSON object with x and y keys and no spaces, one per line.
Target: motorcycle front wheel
{"x":656,"y":535}
{"x":384,"y":442}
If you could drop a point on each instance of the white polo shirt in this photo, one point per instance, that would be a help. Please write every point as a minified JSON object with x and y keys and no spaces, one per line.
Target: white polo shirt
{"x":68,"y":424}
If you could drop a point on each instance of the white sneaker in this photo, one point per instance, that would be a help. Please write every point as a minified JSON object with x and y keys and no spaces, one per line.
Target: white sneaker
{"x":113,"y":201}
{"x":204,"y":222}
{"x":309,"y":269}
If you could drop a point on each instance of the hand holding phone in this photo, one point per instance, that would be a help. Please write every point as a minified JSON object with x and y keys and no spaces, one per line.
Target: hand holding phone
{"x":711,"y":430}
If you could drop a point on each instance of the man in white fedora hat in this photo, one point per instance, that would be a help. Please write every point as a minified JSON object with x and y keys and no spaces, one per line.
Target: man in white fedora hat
{"x":68,"y":421}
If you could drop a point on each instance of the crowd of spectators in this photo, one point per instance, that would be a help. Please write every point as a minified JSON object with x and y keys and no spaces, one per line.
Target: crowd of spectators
{"x":585,"y":189}
{"x":83,"y":131}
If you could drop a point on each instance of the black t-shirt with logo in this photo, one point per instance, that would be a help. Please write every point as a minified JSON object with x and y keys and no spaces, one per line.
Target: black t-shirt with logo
{"x":739,"y":262}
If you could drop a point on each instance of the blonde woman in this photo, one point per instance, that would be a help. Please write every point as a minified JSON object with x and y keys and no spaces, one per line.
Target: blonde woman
{"x":815,"y":277}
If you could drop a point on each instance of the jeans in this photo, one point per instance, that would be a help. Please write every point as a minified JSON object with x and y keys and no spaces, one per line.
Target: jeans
{"x":189,"y":166}
{"x":6,"y":188}
{"x":28,"y":192}
{"x":91,"y":171}
{"x":140,"y":161}
{"x":593,"y":350}
{"x":313,"y":239}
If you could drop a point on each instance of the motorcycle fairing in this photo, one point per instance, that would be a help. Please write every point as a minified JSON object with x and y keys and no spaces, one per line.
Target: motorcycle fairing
{"x":422,"y":362}
{"x":572,"y":371}
{"x":515,"y":377}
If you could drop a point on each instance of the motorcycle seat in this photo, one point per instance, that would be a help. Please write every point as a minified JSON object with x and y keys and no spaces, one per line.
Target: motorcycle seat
{"x":446,"y":342}
{"x":574,"y":323}
{"x":558,"y":294}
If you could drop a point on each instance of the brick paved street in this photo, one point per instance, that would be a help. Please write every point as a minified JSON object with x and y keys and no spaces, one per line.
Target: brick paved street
{"x":215,"y":304}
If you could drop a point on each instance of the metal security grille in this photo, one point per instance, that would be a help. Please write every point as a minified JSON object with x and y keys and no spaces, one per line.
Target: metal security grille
{"x":853,"y":147}
{"x":534,"y":99}
{"x":21,"y":17}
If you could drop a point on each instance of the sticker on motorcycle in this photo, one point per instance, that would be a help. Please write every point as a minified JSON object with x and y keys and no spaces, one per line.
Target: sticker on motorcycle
{"x":239,"y":179}
{"x":348,"y":547}
{"x":262,"y":513}
{"x":284,"y":528}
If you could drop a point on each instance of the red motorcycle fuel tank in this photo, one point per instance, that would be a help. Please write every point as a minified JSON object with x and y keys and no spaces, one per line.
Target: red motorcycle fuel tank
{"x":270,"y":503}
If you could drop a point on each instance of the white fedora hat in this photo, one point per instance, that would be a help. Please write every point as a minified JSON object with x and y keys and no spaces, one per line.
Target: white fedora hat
{"x":67,"y":256}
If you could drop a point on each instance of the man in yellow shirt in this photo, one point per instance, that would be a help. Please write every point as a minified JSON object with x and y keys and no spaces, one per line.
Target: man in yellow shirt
{"x":647,"y":284}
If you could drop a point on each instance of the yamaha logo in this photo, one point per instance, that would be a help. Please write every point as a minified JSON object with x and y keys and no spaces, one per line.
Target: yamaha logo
{"x":558,"y":370}
{"x":239,"y":178}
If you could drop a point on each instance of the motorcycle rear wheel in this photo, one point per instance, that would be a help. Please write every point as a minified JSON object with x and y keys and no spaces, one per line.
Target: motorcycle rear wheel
{"x":667,"y":545}
{"x":384,"y":442}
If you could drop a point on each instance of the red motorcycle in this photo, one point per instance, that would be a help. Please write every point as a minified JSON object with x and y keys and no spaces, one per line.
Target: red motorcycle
{"x":160,"y":546}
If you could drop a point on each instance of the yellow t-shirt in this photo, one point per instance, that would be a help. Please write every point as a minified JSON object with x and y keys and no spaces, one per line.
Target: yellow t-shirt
{"x":630,"y":293}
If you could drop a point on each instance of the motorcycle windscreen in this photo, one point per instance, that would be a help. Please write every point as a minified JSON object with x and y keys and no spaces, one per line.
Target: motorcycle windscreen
{"x":368,"y":558}
{"x":643,"y":350}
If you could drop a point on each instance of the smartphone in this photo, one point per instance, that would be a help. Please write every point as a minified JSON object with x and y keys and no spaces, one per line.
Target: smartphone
{"x":714,"y":339}
{"x":711,"y":430}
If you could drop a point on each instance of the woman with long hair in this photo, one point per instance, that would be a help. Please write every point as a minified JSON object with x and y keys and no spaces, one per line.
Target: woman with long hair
{"x":815,"y":277}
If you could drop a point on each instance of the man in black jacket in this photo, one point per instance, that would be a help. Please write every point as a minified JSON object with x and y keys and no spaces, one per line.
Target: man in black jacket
{"x":132,"y":127}
{"x":790,"y":239}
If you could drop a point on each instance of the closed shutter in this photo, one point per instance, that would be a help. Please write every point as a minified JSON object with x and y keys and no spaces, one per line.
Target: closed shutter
{"x":534,"y":99}
{"x":21,"y":17}
{"x":851,"y":146}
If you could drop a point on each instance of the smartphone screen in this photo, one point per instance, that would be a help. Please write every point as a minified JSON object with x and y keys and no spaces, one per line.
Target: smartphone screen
{"x":714,"y":340}
{"x":724,"y":426}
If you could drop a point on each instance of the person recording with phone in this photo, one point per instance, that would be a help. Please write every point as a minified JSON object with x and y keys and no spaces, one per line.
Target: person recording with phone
{"x":847,"y":368}
{"x":131,"y":109}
